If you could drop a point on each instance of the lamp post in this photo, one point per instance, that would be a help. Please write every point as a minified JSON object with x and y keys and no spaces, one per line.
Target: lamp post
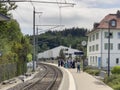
{"x":84,"y":43}
{"x":109,"y":24}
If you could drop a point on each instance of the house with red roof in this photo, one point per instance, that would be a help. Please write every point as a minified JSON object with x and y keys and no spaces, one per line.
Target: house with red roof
{"x":97,"y":48}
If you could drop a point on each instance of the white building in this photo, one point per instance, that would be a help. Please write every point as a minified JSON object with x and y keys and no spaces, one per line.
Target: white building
{"x":97,"y":48}
{"x":54,"y":53}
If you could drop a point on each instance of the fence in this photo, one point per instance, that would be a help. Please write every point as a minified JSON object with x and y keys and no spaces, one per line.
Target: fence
{"x":8,"y":71}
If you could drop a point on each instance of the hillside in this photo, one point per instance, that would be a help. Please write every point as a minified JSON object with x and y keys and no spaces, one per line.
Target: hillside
{"x":68,"y":37}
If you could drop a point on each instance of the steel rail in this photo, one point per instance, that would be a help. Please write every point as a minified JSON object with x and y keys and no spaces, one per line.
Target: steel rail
{"x":54,"y":79}
{"x":30,"y":85}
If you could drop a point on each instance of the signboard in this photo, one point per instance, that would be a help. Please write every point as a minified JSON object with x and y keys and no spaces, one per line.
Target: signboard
{"x":78,"y":53}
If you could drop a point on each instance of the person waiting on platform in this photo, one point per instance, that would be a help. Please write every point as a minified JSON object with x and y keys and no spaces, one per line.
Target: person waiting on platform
{"x":78,"y":66}
{"x":59,"y":62}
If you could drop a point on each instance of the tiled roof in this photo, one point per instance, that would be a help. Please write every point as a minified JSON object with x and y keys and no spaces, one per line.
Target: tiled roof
{"x":105,"y":21}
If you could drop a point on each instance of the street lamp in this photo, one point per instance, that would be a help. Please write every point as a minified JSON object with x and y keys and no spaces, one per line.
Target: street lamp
{"x":108,"y":48}
{"x":110,"y":24}
{"x":84,"y":43}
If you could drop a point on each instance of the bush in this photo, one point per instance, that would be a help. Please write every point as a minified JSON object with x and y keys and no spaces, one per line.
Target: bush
{"x":116,"y":87}
{"x":113,"y":81}
{"x":92,"y":71}
{"x":116,"y":70}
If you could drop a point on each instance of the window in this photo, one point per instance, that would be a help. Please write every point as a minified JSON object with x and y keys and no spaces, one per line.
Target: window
{"x":97,"y":47}
{"x":119,"y":35}
{"x":106,"y":46}
{"x":93,"y":59}
{"x":90,"y":59}
{"x":107,"y":60}
{"x":111,"y":46}
{"x":96,"y":60}
{"x":118,"y":46}
{"x":97,"y":35}
{"x":90,"y":39}
{"x":117,"y":60}
{"x":106,"y":34}
{"x":113,"y":23}
{"x":90,"y":49}
{"x":111,"y":34}
{"x":93,"y":48}
{"x":93,"y":37}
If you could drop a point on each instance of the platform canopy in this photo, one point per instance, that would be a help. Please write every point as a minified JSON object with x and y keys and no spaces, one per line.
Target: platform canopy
{"x":3,"y":17}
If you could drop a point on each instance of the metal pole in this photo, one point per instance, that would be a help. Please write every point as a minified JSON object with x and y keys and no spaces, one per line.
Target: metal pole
{"x":33,"y":39}
{"x":37,"y":42}
{"x":108,"y":48}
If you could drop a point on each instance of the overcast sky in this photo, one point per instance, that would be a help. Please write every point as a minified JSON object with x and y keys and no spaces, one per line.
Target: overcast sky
{"x":83,"y":14}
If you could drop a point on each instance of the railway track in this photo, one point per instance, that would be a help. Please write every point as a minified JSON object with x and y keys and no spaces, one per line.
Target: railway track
{"x":49,"y":78}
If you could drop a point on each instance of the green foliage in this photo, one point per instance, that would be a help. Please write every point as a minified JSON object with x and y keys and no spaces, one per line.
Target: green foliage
{"x":71,"y":36}
{"x":92,"y":71}
{"x":29,"y":57}
{"x":13,"y":45}
{"x":113,"y":81}
{"x":116,"y":70}
{"x":61,"y":54}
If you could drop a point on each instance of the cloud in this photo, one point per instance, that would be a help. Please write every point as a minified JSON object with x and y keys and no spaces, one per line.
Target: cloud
{"x":100,"y":3}
{"x":83,"y":14}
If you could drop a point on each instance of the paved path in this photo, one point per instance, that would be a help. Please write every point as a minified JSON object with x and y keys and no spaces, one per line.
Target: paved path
{"x":85,"y":81}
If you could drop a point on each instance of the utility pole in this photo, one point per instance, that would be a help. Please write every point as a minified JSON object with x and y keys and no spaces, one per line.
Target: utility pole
{"x":33,"y":39}
{"x":36,"y":43}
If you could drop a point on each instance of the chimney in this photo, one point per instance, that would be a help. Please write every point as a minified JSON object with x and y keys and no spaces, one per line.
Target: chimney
{"x":118,"y":14}
{"x":96,"y":25}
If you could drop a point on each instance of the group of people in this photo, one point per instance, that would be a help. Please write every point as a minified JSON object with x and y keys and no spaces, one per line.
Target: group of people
{"x":69,"y":64}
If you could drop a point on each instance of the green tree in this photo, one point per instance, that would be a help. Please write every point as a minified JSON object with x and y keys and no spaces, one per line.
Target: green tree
{"x":61,"y":54}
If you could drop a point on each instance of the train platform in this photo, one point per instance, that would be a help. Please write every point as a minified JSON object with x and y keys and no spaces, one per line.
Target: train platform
{"x":73,"y":80}
{"x":85,"y":81}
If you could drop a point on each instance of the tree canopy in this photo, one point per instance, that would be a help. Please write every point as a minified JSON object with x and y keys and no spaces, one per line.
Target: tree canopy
{"x":14,"y":46}
{"x":67,"y":37}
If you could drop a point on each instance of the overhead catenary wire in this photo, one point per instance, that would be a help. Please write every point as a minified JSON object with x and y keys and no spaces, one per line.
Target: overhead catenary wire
{"x":35,"y":2}
{"x":60,"y":14}
{"x":20,"y":16}
{"x":32,"y":3}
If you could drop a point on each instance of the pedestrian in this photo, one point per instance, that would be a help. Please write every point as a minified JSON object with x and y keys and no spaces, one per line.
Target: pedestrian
{"x":59,"y":62}
{"x":78,"y":66}
{"x":73,"y":64}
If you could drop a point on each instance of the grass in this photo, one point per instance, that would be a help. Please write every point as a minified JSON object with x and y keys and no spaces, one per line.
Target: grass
{"x":94,"y":72}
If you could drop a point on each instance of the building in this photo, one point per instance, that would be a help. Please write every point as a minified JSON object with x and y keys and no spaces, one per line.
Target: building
{"x":54,"y":53}
{"x":97,"y":48}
